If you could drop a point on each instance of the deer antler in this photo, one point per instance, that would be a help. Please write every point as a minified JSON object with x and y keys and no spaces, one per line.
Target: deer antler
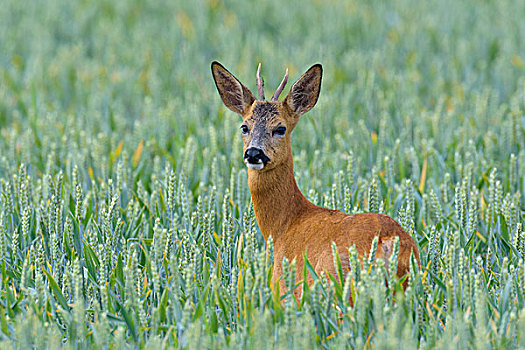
{"x":277,"y":92}
{"x":260,"y":84}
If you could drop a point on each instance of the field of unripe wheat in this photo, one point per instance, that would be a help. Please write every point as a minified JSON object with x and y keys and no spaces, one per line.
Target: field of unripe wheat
{"x":125,"y":214}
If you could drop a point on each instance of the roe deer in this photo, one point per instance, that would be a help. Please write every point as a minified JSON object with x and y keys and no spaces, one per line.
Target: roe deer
{"x":297,"y":225}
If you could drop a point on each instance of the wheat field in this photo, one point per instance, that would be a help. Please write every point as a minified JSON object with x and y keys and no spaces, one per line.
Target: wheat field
{"x":125,"y":214}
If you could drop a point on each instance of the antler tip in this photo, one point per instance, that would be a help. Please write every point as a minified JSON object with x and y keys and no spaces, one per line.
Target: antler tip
{"x":260,"y":83}
{"x":275,"y":96}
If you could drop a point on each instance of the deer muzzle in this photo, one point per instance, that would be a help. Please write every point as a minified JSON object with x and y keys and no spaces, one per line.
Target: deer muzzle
{"x":255,"y":159}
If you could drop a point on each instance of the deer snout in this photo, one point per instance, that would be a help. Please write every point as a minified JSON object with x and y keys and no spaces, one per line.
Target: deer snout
{"x":255,"y":158}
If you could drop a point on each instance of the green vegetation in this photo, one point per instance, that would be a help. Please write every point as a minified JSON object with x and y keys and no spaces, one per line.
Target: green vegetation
{"x":125,"y":215}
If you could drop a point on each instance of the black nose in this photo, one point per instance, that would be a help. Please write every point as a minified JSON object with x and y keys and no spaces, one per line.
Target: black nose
{"x":255,"y":156}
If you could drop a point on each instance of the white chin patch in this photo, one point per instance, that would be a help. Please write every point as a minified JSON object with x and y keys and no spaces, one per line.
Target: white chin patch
{"x":252,"y":166}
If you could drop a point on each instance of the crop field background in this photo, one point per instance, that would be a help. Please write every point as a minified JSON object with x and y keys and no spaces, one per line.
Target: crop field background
{"x":125,"y":215}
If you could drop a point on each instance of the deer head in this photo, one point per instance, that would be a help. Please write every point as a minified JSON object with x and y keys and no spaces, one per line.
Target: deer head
{"x":267,"y":125}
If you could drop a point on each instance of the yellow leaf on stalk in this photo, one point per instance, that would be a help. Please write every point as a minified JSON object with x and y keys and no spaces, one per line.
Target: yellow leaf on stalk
{"x":119,"y":149}
{"x":369,"y":338}
{"x":146,"y":284}
{"x":138,"y":152}
{"x":423,"y":176}
{"x":425,"y":274}
{"x":481,"y":237}
{"x":331,"y":335}
{"x":147,"y":293}
{"x":216,"y":237}
{"x":373,"y":136}
{"x":482,"y":199}
{"x":353,"y":289}
{"x":239,"y":246}
{"x":429,"y":310}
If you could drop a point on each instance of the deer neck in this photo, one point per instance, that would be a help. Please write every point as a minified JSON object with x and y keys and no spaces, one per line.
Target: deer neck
{"x":277,"y":200}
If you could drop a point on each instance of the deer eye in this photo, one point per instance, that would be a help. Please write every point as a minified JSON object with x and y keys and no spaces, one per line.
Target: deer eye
{"x":280,"y":131}
{"x":245,"y":129}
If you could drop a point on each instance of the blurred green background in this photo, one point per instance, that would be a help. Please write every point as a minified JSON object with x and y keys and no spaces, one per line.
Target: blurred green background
{"x":132,"y":66}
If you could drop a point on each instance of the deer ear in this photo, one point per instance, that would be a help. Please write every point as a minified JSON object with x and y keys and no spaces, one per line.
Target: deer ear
{"x":235,"y":96}
{"x":304,"y":93}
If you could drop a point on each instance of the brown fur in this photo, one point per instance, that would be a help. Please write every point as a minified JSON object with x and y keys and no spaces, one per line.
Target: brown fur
{"x":296,"y":225}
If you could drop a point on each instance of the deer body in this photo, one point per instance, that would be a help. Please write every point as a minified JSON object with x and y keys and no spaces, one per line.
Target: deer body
{"x":296,"y":225}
